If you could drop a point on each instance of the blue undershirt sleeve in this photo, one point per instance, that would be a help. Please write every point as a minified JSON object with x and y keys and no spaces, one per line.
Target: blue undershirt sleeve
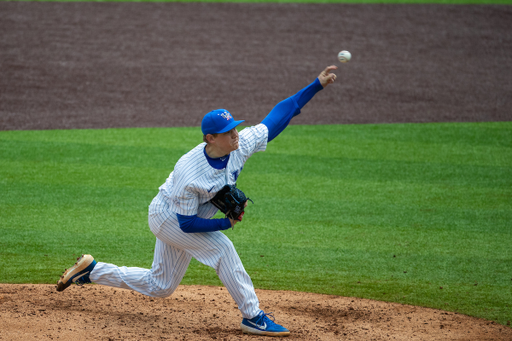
{"x":194,"y":224}
{"x":280,"y":116}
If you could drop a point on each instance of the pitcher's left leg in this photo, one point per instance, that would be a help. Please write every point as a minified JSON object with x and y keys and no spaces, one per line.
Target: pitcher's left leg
{"x":217,"y":251}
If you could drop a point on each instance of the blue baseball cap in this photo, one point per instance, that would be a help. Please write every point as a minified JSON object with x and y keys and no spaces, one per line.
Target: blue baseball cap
{"x":218,"y":121}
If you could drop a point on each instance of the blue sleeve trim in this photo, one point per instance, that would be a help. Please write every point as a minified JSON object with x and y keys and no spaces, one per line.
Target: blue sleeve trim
{"x":305,"y":95}
{"x":280,"y":116}
{"x":194,"y":224}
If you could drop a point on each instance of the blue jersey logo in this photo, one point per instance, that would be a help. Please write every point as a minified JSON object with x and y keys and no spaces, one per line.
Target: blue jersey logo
{"x":236,"y":173}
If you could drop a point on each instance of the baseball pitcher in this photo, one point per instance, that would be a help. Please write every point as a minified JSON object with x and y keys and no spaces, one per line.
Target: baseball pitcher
{"x":180,"y":216}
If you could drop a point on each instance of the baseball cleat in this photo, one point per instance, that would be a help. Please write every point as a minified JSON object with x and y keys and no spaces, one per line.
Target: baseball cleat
{"x":262,"y":325}
{"x":78,"y":273}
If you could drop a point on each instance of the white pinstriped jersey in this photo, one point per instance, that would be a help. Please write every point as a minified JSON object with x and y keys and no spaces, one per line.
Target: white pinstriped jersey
{"x":187,"y":191}
{"x":193,"y":182}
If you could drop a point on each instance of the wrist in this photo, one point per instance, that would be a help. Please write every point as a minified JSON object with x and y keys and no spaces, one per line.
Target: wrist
{"x":226,"y":223}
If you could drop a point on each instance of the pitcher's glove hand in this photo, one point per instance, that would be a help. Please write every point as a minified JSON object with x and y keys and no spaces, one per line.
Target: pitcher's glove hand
{"x":231,"y":201}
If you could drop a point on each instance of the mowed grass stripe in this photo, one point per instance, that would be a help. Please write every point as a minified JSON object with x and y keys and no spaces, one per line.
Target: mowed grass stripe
{"x":391,"y":212}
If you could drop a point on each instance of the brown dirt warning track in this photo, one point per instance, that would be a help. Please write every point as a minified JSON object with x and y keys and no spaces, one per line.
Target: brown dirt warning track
{"x":101,"y":65}
{"x":97,"y":65}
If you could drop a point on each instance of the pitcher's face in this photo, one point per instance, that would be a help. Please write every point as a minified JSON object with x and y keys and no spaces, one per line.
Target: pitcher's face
{"x":227,"y":142}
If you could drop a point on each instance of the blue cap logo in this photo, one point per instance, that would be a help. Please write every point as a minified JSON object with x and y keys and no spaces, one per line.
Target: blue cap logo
{"x":226,"y":115}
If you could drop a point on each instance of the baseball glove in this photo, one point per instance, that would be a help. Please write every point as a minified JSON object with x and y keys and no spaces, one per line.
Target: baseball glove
{"x":231,"y":201}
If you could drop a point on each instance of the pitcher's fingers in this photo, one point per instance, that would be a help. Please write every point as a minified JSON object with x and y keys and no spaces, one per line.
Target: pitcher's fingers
{"x":330,"y":68}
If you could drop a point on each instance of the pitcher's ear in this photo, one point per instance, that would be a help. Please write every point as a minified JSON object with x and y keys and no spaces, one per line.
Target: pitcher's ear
{"x":209,"y":138}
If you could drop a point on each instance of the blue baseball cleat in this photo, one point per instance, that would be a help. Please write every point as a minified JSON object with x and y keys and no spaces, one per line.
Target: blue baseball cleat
{"x":78,"y":273}
{"x":262,"y":325}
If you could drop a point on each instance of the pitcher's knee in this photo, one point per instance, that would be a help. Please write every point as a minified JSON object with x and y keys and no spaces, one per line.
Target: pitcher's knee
{"x":162,"y":291}
{"x":226,"y":248}
{"x":225,"y":254}
{"x":161,"y":288}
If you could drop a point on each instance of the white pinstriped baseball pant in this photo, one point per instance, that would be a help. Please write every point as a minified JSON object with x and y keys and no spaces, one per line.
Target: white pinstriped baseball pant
{"x":173,"y":251}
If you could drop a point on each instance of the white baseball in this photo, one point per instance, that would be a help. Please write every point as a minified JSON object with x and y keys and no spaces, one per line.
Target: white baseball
{"x":344,"y":56}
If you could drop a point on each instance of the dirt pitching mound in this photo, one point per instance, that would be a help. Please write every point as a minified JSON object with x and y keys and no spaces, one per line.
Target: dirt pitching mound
{"x":93,"y":312}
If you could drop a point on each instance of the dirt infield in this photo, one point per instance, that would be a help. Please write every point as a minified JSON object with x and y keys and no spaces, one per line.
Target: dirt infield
{"x":38,"y":312}
{"x":99,"y":65}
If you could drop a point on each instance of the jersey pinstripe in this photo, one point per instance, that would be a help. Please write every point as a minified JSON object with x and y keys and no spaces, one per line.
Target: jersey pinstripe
{"x":194,"y":182}
{"x":187,"y":190}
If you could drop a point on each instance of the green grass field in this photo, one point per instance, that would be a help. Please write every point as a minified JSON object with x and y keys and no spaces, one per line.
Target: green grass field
{"x":389,"y":212}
